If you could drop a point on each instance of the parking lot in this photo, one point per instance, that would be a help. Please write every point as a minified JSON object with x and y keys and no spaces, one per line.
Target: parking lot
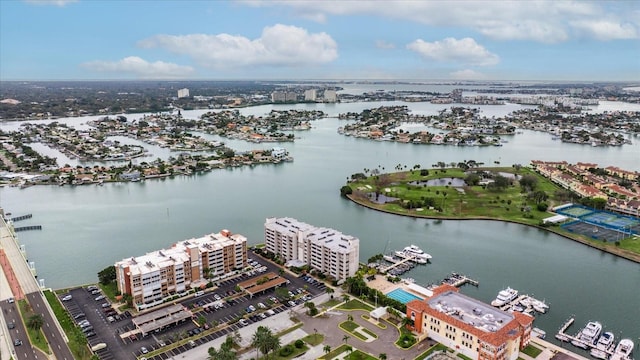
{"x":223,"y":309}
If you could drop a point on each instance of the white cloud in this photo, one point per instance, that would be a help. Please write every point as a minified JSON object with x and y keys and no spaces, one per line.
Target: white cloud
{"x":141,"y":68}
{"x":381,"y":44}
{"x":464,"y":51}
{"x":547,"y":21}
{"x":278,"y":45}
{"x":606,"y":30}
{"x":467,"y":74}
{"x":51,"y":2}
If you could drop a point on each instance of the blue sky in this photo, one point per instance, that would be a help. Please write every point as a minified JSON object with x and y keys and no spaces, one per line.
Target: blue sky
{"x":352,"y":39}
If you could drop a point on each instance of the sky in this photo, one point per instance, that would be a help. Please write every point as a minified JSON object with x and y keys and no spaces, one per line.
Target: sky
{"x":325,"y":40}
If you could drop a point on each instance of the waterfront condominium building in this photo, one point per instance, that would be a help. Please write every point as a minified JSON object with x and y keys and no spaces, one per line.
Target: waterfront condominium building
{"x":186,"y":265}
{"x":183,"y":93}
{"x":330,"y":96}
{"x":326,"y":250}
{"x":471,"y":327}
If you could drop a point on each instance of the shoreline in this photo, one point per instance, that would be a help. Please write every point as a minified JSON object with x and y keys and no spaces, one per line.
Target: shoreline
{"x":615,"y":251}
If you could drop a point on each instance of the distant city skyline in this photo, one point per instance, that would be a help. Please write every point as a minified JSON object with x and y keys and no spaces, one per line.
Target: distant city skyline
{"x":331,"y":40}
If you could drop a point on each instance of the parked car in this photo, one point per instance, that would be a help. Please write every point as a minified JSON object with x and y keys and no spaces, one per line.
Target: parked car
{"x":79,"y":316}
{"x":67,"y":297}
{"x":11,"y":325}
{"x":144,"y":350}
{"x":17,"y":342}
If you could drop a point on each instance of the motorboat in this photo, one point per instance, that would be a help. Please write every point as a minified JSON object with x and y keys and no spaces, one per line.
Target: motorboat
{"x":588,"y":335}
{"x":623,"y":350}
{"x":539,"y":333}
{"x":539,"y":306}
{"x":415,"y":253}
{"x":604,"y":346}
{"x":505,"y":296}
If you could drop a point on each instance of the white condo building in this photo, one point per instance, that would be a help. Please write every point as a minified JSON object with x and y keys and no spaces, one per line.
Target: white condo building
{"x":187,"y":265}
{"x":327,"y":250}
{"x":330,"y":96}
{"x":183,"y":93}
{"x":310,"y":95}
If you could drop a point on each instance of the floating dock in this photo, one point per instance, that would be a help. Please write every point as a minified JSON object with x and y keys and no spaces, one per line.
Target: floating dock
{"x":561,"y":335}
{"x":398,"y":266}
{"x":458,"y":280}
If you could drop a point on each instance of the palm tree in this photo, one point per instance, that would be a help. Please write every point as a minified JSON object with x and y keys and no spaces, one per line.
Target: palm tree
{"x":35,"y":322}
{"x":265,"y":341}
{"x":326,"y":349}
{"x":345,"y":297}
{"x":382,"y":356}
{"x":345,"y":338}
{"x":349,"y":317}
{"x":259,"y":339}
{"x":330,"y":291}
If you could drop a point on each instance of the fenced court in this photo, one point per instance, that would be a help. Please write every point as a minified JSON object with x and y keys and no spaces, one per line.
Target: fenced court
{"x":600,"y":224}
{"x":575,"y":211}
{"x":595,"y":232}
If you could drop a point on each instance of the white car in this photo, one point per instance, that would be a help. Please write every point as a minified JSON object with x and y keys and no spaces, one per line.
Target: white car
{"x":67,"y":298}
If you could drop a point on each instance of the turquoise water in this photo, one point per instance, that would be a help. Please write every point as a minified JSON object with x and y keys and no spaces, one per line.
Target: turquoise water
{"x":402,"y":296}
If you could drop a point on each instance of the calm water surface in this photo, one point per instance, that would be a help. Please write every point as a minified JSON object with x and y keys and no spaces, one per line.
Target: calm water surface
{"x":88,"y":228}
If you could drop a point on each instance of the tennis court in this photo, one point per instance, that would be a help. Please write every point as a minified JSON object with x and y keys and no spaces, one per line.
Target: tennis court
{"x":594,"y":231}
{"x":575,"y":211}
{"x":601,"y":219}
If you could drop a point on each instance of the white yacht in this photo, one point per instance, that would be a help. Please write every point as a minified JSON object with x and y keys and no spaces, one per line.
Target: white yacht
{"x":588,"y":335}
{"x":539,"y":333}
{"x":604,"y":346}
{"x":539,"y":306}
{"x":505,"y":296}
{"x":413,"y":250}
{"x":623,"y":350}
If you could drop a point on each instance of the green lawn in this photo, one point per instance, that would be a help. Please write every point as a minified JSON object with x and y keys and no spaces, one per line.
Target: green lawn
{"x":510,"y":204}
{"x":359,"y":355}
{"x":369,"y":332}
{"x":476,"y":201}
{"x":532,"y":351}
{"x":349,"y":327}
{"x":313,"y":339}
{"x":355,"y":355}
{"x":331,"y":303}
{"x":463,"y":357}
{"x":355,"y":304}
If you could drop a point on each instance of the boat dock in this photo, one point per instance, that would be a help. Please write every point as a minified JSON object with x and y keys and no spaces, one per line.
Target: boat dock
{"x":561,"y":335}
{"x":525,"y":304}
{"x":398,"y":265}
{"x":458,"y":280}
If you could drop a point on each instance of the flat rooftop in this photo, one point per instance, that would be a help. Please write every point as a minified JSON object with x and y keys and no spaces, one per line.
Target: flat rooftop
{"x":470,"y":311}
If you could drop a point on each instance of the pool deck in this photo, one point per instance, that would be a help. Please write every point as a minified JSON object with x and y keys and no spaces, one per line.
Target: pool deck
{"x":381,"y":284}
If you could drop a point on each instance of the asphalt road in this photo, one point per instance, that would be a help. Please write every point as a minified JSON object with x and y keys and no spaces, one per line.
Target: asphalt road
{"x":12,"y":316}
{"x":49,"y":328}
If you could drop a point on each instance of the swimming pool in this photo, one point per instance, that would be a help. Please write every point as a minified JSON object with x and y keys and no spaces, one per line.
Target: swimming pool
{"x":402,"y":296}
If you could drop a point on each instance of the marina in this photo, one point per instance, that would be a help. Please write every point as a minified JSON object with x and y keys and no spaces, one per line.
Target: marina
{"x":510,"y":300}
{"x":599,"y":346}
{"x":404,"y":260}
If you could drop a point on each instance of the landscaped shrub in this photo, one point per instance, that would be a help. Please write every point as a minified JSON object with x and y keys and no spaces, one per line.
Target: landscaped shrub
{"x":299,"y":344}
{"x":286,"y":350}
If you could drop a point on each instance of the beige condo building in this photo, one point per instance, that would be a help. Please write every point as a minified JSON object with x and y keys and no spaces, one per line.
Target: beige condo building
{"x":187,"y":265}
